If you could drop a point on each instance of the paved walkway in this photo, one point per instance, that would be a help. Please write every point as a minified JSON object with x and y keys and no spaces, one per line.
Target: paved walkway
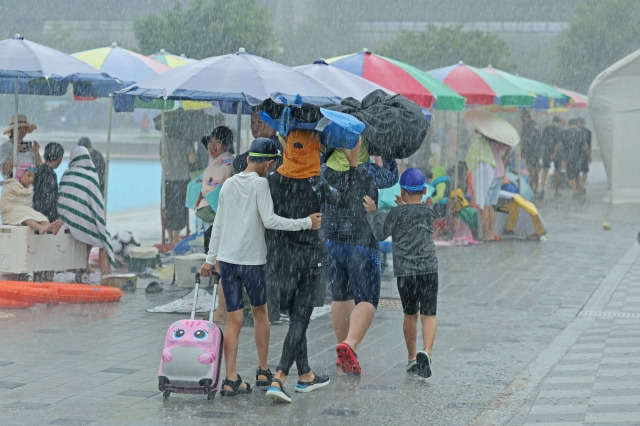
{"x":528,"y":332}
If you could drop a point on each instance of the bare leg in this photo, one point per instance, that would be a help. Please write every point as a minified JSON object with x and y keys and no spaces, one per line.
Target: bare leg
{"x":105,"y":268}
{"x":487,"y":226}
{"x":230,"y":347}
{"x":410,"y":330}
{"x":492,"y":221}
{"x":261,"y":334}
{"x":574,"y":188}
{"x":428,"y":332}
{"x":361,"y":318}
{"x":341,"y":317}
{"x":543,"y":178}
{"x":583,"y":178}
{"x":41,"y":227}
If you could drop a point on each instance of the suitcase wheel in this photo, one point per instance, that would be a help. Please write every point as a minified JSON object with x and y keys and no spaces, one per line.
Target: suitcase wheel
{"x":211,"y":395}
{"x":166,"y":394}
{"x":162,"y":383}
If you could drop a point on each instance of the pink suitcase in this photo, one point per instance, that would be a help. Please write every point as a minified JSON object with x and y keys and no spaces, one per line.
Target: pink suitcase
{"x":192,"y":353}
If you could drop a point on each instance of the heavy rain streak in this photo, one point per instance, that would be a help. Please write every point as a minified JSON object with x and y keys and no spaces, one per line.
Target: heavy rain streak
{"x":319,"y":212}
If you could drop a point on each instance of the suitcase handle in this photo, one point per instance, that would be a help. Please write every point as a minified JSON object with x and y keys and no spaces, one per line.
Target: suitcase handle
{"x":216,"y":279}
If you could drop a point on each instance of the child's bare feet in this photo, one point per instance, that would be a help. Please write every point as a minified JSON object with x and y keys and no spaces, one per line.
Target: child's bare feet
{"x":42,"y":227}
{"x":55,"y":226}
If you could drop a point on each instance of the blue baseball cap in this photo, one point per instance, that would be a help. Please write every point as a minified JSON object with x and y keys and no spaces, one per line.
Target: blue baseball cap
{"x":264,"y":147}
{"x":412,"y":180}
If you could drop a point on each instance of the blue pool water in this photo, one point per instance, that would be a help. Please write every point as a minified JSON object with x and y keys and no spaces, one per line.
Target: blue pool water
{"x":132,"y":184}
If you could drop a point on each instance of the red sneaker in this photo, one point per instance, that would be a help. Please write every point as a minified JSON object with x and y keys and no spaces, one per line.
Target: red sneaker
{"x":348,"y":358}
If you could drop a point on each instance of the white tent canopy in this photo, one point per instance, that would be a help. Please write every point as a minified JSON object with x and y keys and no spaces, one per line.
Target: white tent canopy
{"x":614,"y":106}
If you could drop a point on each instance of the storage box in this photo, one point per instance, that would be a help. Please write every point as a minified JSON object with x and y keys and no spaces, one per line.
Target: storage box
{"x":186,"y":268}
{"x":140,"y":258}
{"x":125,"y":282}
{"x":23,"y":251}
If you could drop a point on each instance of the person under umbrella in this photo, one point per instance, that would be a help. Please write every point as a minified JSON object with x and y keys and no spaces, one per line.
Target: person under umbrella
{"x":486,"y":161}
{"x":28,"y":152}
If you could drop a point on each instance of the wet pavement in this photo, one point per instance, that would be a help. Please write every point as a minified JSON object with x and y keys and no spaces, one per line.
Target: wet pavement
{"x":528,"y":333}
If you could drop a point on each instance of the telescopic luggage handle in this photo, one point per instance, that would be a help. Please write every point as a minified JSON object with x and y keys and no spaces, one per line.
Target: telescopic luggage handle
{"x":216,"y":279}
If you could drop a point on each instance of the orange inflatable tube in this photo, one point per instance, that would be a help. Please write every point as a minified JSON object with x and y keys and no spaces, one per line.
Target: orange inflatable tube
{"x":53,"y":292}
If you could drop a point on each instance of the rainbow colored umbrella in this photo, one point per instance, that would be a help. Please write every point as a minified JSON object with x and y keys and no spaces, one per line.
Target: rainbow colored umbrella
{"x":125,"y":65}
{"x":480,"y":87}
{"x":546,"y":96}
{"x":578,"y":100}
{"x":402,"y":78}
{"x":175,"y":61}
{"x":171,"y":60}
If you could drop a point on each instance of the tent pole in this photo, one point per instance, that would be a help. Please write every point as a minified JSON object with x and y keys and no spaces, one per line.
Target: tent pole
{"x":15,"y":130}
{"x":106,"y":170}
{"x":239,"y":125}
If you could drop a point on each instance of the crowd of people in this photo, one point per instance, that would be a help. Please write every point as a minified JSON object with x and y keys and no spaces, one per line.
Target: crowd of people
{"x":569,"y":150}
{"x":33,"y":197}
{"x":266,"y":239}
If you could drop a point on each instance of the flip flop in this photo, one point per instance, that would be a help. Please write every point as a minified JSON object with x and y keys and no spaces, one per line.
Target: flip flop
{"x":349,"y":359}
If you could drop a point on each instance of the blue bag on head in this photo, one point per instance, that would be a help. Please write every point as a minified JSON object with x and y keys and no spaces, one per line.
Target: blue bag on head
{"x":336,"y":129}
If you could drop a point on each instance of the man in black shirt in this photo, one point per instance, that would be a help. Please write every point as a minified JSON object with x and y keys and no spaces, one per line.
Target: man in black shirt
{"x":551,"y":153}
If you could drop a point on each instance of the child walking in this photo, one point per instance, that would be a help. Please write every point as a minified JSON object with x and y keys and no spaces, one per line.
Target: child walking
{"x":415,"y":264}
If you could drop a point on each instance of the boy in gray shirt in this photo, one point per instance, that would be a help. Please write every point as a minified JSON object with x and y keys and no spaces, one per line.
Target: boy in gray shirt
{"x":415,"y":264}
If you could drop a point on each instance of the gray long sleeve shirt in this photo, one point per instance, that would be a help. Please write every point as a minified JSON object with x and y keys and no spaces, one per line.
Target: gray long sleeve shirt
{"x":411,"y":229}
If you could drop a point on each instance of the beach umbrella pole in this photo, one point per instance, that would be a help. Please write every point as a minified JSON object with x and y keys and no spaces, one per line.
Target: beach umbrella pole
{"x":163,"y":150}
{"x":238,"y":124}
{"x":455,"y":167}
{"x":15,"y":131}
{"x":106,"y":170}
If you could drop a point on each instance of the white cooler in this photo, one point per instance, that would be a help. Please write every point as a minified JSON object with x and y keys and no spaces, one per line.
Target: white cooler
{"x":22,"y":251}
{"x":186,"y":267}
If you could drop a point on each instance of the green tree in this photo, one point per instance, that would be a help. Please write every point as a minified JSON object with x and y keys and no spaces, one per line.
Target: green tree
{"x":603,"y":32}
{"x":207,"y":28}
{"x":441,"y":47}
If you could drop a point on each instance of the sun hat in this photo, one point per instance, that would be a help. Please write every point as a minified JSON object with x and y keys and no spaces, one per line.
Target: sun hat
{"x":22,"y":122}
{"x":493,"y":127}
{"x":412,"y":180}
{"x":264,"y":148}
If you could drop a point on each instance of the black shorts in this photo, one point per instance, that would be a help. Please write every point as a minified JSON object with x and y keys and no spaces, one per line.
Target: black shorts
{"x":175,"y":192}
{"x":573,"y":170}
{"x":419,"y":292}
{"x":547,"y":160}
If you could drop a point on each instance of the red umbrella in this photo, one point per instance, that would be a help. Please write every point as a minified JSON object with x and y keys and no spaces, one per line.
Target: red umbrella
{"x":480,"y":87}
{"x":402,"y":78}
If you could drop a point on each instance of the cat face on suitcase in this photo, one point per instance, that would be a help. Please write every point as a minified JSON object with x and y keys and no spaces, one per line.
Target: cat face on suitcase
{"x":190,"y":333}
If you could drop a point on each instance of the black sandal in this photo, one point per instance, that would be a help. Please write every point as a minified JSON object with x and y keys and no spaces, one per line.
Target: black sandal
{"x":264,"y":382}
{"x":235,"y":387}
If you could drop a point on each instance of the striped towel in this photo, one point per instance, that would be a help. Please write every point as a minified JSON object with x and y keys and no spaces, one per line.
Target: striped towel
{"x":80,"y":202}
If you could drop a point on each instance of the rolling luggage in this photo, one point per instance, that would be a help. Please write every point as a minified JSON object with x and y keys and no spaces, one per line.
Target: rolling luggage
{"x":192,"y":353}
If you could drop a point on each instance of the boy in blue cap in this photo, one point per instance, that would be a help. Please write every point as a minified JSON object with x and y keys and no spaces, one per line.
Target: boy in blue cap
{"x":245,"y":209}
{"x":414,"y":263}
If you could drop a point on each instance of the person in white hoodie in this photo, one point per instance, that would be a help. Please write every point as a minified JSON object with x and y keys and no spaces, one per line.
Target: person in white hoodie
{"x":245,"y":209}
